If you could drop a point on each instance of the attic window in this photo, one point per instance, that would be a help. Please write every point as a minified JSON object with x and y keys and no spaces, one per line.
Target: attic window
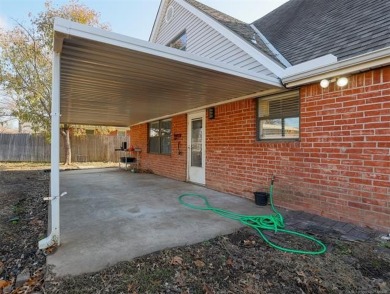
{"x":179,"y":42}
{"x":169,"y":14}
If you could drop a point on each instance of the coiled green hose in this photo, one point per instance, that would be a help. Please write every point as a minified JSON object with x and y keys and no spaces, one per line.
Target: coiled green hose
{"x":273,"y":222}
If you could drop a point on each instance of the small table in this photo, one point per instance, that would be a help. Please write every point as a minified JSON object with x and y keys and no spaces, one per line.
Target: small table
{"x":128,"y":152}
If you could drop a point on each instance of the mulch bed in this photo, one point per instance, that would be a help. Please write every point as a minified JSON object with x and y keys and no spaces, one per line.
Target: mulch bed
{"x":23,"y":222}
{"x":241,"y":263}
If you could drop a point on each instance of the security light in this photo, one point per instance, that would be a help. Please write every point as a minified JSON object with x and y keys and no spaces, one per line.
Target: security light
{"x":341,"y":82}
{"x":324,"y":83}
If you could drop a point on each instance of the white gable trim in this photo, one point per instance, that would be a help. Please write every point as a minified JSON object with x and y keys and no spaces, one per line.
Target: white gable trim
{"x":278,"y":55}
{"x":235,"y":39}
{"x":157,"y":21}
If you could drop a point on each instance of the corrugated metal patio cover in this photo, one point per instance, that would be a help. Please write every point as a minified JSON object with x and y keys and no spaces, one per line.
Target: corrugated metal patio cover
{"x":110,"y":79}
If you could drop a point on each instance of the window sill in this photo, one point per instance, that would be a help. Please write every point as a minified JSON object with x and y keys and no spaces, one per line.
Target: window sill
{"x":165,"y":154}
{"x":277,"y":140}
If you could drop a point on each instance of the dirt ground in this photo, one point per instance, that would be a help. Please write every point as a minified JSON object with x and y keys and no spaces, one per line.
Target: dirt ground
{"x":236,"y":263}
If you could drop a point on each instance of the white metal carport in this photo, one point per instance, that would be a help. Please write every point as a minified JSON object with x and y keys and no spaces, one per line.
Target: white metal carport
{"x":103,"y":78}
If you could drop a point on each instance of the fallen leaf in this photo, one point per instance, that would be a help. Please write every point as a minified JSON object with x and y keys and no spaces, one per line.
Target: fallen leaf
{"x":4,"y":284}
{"x":34,"y":281}
{"x":207,"y":289}
{"x":36,"y":222}
{"x":383,"y":287}
{"x":199,"y":263}
{"x":229,"y":262}
{"x":180,"y":279}
{"x":50,"y":250}
{"x":248,"y":243}
{"x":131,"y":288}
{"x":249,"y":290}
{"x":176,"y":260}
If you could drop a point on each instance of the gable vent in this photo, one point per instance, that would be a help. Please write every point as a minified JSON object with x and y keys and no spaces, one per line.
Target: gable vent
{"x":169,"y":14}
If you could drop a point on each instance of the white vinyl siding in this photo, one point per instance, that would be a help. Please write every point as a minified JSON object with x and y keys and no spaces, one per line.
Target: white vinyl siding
{"x":205,"y":41}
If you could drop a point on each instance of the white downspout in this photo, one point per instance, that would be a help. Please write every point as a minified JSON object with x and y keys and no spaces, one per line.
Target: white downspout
{"x":54,"y":222}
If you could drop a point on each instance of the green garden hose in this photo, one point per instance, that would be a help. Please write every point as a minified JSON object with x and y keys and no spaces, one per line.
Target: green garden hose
{"x":273,"y":222}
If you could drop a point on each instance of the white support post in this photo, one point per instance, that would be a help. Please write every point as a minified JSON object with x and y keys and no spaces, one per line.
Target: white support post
{"x":54,"y":236}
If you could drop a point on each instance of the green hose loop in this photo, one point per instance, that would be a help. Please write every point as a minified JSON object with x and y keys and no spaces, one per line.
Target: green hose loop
{"x":274,"y":222}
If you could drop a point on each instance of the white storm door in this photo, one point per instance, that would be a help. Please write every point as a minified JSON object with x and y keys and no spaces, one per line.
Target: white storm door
{"x":196,"y":141}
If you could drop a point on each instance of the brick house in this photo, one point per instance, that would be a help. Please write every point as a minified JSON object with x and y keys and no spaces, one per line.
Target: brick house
{"x":303,"y":93}
{"x":336,"y":163}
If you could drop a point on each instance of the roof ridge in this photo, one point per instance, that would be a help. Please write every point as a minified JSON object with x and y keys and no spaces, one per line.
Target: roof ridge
{"x":209,"y":10}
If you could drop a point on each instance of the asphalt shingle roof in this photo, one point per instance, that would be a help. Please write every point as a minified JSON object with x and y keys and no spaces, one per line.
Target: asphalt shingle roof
{"x":305,"y":29}
{"x":239,"y":27}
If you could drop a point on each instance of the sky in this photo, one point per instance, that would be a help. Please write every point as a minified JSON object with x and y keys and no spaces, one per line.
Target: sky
{"x":133,"y":18}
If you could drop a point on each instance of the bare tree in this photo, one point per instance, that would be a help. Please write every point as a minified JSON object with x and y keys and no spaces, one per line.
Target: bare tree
{"x":25,"y":65}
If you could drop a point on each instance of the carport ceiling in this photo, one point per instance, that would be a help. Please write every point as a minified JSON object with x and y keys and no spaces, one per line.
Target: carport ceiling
{"x":110,"y":79}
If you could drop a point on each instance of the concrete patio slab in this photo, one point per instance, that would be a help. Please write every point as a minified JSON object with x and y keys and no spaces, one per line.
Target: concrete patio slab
{"x":112,"y":215}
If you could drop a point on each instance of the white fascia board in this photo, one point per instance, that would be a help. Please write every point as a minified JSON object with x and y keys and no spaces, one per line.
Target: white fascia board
{"x":244,"y":45}
{"x":94,"y":34}
{"x":310,"y":65}
{"x":157,"y":21}
{"x":271,"y":47}
{"x":348,"y":66}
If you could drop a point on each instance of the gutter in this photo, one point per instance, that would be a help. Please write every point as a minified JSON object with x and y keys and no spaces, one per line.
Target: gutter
{"x":348,"y":66}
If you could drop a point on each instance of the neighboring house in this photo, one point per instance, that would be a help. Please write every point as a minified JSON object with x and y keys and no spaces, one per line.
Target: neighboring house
{"x":328,"y":147}
{"x":9,"y":128}
{"x":111,"y":131}
{"x":302,"y":93}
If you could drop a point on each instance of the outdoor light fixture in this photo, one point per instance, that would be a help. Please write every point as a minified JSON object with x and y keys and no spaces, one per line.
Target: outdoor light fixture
{"x":341,"y":82}
{"x":211,"y":112}
{"x":324,"y":83}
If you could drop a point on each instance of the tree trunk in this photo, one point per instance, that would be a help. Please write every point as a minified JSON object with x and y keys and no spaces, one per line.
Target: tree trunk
{"x":68,"y":151}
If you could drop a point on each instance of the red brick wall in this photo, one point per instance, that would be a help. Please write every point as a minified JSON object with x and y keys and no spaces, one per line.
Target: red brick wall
{"x":172,"y":166}
{"x":339,"y":169}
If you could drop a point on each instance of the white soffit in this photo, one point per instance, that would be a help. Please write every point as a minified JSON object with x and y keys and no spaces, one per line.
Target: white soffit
{"x":111,"y":79}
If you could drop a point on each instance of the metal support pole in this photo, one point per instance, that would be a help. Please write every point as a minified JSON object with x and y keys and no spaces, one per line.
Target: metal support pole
{"x":54,"y":221}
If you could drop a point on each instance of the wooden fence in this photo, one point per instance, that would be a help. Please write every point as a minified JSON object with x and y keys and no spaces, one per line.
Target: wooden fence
{"x":35,"y":148}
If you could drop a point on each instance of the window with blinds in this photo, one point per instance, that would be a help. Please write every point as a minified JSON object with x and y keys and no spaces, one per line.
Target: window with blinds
{"x":278,"y":116}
